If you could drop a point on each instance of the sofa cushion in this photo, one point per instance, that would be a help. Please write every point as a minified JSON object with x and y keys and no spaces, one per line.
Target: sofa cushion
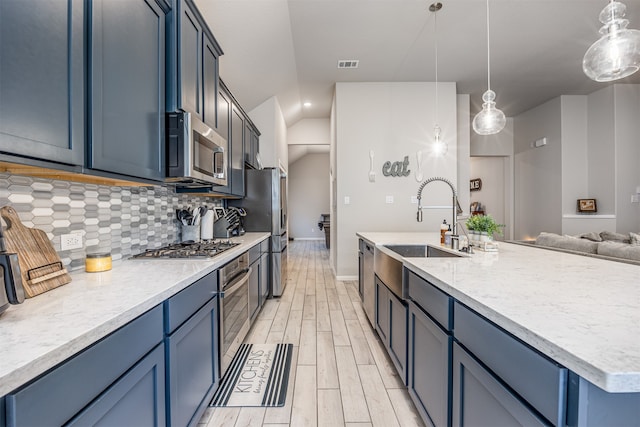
{"x":619,"y":250}
{"x":567,"y":242}
{"x":610,"y":236}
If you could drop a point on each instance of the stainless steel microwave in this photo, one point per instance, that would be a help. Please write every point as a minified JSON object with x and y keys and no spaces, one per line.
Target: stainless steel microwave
{"x":196,"y":154}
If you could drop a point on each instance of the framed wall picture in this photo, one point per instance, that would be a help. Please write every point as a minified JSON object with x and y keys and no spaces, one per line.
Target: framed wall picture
{"x":587,"y":205}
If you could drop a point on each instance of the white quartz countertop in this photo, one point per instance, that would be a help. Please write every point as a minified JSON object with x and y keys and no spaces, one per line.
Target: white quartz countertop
{"x":51,"y":327}
{"x":582,"y":312}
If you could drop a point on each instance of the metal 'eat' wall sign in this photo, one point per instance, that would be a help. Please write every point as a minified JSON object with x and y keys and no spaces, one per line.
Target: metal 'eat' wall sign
{"x":396,"y":168}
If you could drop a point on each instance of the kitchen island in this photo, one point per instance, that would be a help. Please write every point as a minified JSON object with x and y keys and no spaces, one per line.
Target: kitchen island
{"x":581,"y":313}
{"x":46,"y":331}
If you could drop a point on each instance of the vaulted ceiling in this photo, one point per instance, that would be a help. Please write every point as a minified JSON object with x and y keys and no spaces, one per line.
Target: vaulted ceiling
{"x":290,"y":48}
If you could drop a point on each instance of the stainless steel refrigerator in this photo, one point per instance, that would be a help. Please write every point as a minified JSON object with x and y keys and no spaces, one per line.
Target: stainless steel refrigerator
{"x":265,"y":202}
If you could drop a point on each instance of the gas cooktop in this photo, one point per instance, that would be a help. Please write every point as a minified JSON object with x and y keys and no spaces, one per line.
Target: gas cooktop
{"x":203,"y":249}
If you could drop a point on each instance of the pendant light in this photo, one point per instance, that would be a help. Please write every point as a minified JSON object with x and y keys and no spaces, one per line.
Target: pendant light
{"x":440,"y":147}
{"x":617,"y":53}
{"x":490,"y":120}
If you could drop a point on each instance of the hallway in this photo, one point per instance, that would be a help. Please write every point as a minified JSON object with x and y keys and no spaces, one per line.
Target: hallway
{"x":340,"y":373}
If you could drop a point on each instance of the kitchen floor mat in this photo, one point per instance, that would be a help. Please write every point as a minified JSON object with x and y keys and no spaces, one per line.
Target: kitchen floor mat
{"x":258,"y":376}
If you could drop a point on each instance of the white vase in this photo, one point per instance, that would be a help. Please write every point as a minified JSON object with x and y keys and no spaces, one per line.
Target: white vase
{"x":484,"y":237}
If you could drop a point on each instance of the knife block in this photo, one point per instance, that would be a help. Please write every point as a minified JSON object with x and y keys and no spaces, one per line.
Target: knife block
{"x":221,"y":228}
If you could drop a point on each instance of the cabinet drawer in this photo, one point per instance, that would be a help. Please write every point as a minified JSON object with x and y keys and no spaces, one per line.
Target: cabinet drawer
{"x":543,"y":383}
{"x":432,"y":300}
{"x":56,"y":397}
{"x":264,"y":245}
{"x":136,"y":399}
{"x":181,"y":306}
{"x":254,"y":254}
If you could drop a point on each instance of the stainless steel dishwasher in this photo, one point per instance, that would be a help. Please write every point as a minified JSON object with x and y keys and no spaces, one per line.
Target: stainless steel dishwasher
{"x":369,"y":284}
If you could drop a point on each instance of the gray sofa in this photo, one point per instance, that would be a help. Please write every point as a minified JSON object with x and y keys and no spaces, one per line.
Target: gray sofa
{"x":607,"y":245}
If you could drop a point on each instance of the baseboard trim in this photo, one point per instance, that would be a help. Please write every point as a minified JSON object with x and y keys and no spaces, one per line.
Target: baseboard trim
{"x":308,"y":238}
{"x":346,"y":278}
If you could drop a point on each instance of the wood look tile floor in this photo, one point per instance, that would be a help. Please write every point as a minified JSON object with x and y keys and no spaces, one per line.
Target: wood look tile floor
{"x":340,"y":374}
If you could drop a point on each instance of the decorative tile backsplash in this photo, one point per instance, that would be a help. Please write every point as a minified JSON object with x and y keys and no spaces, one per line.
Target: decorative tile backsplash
{"x":120,"y":220}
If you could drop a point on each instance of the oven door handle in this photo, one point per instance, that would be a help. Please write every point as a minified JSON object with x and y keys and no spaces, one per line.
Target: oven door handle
{"x":243,"y":278}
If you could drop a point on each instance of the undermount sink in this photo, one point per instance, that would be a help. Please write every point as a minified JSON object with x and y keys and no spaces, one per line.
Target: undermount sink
{"x":421,"y":251}
{"x":389,"y":269}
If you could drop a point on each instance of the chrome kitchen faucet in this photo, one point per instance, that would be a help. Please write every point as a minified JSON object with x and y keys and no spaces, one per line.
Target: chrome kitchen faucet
{"x":455,"y":207}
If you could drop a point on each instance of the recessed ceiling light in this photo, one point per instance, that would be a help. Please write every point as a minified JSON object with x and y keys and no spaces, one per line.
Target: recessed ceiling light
{"x":307,"y":104}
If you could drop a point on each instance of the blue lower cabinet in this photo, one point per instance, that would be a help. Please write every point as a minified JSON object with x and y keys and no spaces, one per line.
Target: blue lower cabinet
{"x":264,"y":277}
{"x":62,"y":394}
{"x":391,"y":325}
{"x":192,"y":366}
{"x":136,"y":399}
{"x":429,"y":368}
{"x":2,"y":413}
{"x":479,"y":399}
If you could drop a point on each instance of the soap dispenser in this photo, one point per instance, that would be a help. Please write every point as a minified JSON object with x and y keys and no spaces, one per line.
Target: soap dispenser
{"x":443,"y":229}
{"x":447,"y":237}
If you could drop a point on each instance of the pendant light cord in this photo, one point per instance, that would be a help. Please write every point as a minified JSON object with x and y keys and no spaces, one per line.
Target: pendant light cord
{"x":435,"y":21}
{"x":488,"y":52}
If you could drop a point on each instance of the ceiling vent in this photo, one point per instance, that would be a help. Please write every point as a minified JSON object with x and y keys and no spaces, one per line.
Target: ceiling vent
{"x":348,"y":63}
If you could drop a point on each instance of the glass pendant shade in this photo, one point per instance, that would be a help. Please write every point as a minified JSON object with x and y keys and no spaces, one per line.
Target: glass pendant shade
{"x":617,"y":53}
{"x":440,"y":147}
{"x":490,"y":120}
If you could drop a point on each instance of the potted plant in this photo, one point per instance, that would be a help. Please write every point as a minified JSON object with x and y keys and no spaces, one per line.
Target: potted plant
{"x":485,"y":225}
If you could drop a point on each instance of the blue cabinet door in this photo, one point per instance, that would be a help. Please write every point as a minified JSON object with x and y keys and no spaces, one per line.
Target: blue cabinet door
{"x":210,"y":83}
{"x":42,"y":79}
{"x":429,"y":368}
{"x":382,"y":310}
{"x":127,"y":88}
{"x":479,"y":399}
{"x":264,"y":277}
{"x":398,"y":335}
{"x":237,"y":151}
{"x":254,"y":291}
{"x":192,"y":352}
{"x":189,"y":59}
{"x":136,"y":399}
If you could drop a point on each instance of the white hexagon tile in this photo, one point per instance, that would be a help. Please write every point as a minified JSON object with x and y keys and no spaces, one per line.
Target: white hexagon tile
{"x":120,"y":220}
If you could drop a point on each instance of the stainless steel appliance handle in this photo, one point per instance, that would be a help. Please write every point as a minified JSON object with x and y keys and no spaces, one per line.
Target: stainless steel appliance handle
{"x":238,"y":284}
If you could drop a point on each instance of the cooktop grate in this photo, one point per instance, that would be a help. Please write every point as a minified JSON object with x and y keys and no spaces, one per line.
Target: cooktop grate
{"x":203,"y":249}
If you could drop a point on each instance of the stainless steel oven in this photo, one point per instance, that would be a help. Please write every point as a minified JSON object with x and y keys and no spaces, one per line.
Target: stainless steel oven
{"x":196,"y":154}
{"x":234,"y":307}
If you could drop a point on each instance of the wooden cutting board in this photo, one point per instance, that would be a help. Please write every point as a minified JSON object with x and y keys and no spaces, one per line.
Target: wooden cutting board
{"x":40,"y":265}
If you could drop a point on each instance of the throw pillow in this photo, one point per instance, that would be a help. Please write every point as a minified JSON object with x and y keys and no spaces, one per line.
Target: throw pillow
{"x":635,"y":238}
{"x":615,"y":237}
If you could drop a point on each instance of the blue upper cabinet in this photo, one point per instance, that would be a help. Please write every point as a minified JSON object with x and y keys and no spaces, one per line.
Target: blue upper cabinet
{"x":127,"y":80}
{"x":194,"y":53}
{"x":42,"y":79}
{"x":189,"y":60}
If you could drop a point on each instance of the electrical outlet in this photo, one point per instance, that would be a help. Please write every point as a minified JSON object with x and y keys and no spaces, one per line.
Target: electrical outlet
{"x":389,"y":199}
{"x":71,"y":241}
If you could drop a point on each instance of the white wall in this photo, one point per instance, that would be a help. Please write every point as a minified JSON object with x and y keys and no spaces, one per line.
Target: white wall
{"x":309,"y":132}
{"x":308,"y":195}
{"x":269,"y":120}
{"x":538,"y":171}
{"x":592,"y":152}
{"x":394,"y":120}
{"x":601,"y":149}
{"x":627,"y":152}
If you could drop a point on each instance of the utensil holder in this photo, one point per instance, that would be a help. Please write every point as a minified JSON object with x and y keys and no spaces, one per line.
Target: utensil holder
{"x":191,"y":233}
